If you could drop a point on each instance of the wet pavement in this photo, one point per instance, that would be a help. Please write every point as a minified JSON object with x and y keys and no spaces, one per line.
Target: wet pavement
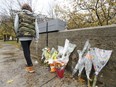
{"x":13,"y":74}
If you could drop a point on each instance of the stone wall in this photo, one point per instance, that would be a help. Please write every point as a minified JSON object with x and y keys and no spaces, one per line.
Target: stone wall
{"x":102,"y":37}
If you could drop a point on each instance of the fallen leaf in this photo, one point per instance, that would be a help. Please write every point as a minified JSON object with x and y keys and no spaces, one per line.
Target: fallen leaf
{"x":9,"y":81}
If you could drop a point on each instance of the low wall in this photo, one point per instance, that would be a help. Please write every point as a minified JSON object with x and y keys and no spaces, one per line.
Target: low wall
{"x":102,"y":37}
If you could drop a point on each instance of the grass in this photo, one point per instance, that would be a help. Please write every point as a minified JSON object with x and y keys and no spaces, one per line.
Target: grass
{"x":11,"y":42}
{"x":0,"y":46}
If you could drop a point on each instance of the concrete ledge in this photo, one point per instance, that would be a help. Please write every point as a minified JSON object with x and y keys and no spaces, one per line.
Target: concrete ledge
{"x":102,"y":37}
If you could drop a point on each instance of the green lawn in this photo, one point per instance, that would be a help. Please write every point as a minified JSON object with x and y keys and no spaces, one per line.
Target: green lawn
{"x":11,"y":42}
{"x":0,"y":46}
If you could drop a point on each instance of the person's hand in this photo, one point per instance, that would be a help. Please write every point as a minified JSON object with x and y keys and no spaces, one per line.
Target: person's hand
{"x":36,"y":45}
{"x":36,"y":40}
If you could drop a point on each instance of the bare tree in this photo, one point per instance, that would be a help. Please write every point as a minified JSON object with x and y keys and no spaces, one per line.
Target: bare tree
{"x":7,"y":12}
{"x":104,"y":10}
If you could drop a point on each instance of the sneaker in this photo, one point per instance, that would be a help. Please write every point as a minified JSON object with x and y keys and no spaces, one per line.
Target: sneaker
{"x":30,"y":69}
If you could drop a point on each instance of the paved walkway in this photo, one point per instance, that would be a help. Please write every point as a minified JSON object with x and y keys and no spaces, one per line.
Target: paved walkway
{"x":13,"y":74}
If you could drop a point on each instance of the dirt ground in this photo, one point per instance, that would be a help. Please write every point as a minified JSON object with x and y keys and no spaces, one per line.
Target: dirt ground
{"x":13,"y":74}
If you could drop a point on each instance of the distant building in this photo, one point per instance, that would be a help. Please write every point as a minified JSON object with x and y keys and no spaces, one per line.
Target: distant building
{"x":45,"y":23}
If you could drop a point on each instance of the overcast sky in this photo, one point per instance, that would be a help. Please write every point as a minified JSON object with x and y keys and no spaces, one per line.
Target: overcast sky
{"x":39,"y":6}
{"x":42,"y":6}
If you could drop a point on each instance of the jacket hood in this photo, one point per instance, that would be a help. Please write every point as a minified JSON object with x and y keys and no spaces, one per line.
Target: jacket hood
{"x":27,"y":11}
